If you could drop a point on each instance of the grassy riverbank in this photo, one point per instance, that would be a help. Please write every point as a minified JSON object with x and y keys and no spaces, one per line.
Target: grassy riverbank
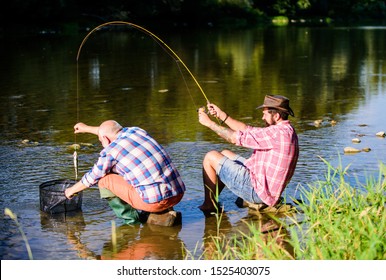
{"x":335,"y":221}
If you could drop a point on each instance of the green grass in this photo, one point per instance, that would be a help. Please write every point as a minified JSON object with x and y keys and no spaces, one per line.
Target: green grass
{"x":343,"y":222}
{"x":335,"y":221}
{"x":13,"y":216}
{"x":248,"y":246}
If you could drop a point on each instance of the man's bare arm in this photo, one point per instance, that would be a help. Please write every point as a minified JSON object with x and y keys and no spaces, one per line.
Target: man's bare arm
{"x":224,"y":132}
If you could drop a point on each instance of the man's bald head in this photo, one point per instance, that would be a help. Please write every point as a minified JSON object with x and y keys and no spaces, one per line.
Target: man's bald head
{"x":109,"y":129}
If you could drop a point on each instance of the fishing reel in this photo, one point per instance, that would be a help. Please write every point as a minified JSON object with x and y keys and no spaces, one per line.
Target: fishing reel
{"x":203,"y":109}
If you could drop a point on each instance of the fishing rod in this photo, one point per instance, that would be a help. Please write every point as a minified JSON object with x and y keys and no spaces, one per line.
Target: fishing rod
{"x":155,"y":37}
{"x":163,"y":45}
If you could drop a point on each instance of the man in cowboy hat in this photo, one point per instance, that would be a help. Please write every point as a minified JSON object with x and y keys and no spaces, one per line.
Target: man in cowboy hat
{"x":263,"y":176}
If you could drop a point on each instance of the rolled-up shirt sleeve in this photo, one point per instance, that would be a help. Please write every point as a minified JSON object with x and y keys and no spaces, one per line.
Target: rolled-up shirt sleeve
{"x":255,"y":138}
{"x":99,"y":170}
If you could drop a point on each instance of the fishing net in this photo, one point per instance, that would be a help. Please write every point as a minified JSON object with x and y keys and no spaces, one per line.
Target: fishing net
{"x":53,"y":200}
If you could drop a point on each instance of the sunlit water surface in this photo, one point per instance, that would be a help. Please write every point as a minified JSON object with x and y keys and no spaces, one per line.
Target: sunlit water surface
{"x":334,"y":74}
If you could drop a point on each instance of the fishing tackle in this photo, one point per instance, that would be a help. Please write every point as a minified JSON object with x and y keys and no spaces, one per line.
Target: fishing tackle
{"x":156,"y":38}
{"x":204,"y":109}
{"x":152,"y":35}
{"x":75,"y":156}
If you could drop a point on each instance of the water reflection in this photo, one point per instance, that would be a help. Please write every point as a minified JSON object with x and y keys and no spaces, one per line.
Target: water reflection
{"x":246,"y":238}
{"x":145,"y":242}
{"x":141,"y":242}
{"x":70,"y":225}
{"x":95,"y":73}
{"x":134,"y":243}
{"x":328,"y":73}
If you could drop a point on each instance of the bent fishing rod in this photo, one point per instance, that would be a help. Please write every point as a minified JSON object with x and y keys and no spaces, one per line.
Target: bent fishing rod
{"x":168,"y":49}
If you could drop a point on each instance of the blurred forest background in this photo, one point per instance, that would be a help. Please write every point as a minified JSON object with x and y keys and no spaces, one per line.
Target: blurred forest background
{"x":73,"y":15}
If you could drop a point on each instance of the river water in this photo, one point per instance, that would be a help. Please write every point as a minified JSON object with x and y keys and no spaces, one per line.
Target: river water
{"x":330,"y":74}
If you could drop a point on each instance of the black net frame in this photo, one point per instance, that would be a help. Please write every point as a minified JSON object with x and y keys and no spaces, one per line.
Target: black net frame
{"x":53,"y":200}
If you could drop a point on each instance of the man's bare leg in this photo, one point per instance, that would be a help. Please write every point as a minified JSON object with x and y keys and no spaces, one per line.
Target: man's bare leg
{"x":229,"y":154}
{"x":211,"y":181}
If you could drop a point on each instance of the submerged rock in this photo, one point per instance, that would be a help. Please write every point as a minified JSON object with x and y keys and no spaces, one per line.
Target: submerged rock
{"x":317,"y":123}
{"x":86,"y":144}
{"x":381,"y":134}
{"x":263,"y":208}
{"x":351,"y":150}
{"x":168,"y":219}
{"x":29,"y":142}
{"x":74,"y":147}
{"x":320,"y":122}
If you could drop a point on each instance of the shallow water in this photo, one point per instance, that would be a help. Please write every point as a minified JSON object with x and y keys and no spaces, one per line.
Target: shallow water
{"x":328,"y":73}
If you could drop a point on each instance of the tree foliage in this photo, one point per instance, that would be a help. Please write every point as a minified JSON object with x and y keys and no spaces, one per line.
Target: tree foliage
{"x":186,"y":12}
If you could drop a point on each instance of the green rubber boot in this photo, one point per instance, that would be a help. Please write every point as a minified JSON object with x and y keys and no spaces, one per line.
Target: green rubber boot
{"x":124,"y":210}
{"x":121,"y":209}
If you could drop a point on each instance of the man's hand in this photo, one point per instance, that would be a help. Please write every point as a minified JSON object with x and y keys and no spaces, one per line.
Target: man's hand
{"x":80,"y":128}
{"x":73,"y":190}
{"x":215,"y":111}
{"x":203,"y":117}
{"x":68,"y":193}
{"x":84,"y":128}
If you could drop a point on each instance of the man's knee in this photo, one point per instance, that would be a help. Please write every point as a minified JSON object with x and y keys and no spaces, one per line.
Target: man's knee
{"x":229,"y":154}
{"x":212,"y":158}
{"x":104,"y":182}
{"x":106,"y":193}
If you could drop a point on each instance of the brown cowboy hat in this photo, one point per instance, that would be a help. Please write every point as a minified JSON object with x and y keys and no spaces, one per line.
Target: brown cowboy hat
{"x":278,"y":102}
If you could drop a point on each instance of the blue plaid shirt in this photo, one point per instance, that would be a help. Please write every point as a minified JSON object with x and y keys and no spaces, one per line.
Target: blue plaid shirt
{"x":142,"y":162}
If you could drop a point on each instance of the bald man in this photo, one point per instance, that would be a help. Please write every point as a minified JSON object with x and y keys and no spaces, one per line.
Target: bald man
{"x":134,"y":169}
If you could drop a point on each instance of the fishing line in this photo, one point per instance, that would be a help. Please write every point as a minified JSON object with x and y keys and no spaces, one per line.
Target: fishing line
{"x":155,"y":37}
{"x":75,"y":154}
{"x":161,"y":43}
{"x":186,"y":84}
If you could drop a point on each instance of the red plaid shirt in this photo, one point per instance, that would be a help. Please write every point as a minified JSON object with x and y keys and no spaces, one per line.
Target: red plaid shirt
{"x":274,"y":158}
